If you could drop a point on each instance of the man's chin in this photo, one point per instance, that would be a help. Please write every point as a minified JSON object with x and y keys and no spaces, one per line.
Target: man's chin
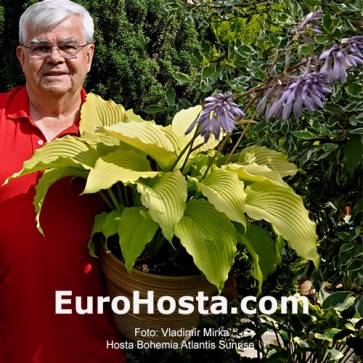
{"x":55,"y":88}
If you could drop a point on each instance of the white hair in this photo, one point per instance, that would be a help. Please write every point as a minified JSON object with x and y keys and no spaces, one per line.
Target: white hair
{"x":45,"y":15}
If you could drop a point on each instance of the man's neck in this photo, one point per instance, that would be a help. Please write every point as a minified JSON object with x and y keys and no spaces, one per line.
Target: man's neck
{"x":54,"y":114}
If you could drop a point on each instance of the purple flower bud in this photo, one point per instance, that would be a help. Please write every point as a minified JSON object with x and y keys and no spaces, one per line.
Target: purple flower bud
{"x":219,"y":112}
{"x":355,"y":45}
{"x":309,"y":24}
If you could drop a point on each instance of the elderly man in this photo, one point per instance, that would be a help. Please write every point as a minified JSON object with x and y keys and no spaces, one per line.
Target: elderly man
{"x":55,"y":54}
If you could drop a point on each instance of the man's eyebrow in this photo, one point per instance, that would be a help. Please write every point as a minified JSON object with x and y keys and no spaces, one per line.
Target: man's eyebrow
{"x":43,"y":41}
{"x":38,"y":41}
{"x":70,"y":40}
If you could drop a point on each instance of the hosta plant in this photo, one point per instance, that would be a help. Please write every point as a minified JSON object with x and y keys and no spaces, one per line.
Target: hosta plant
{"x":176,"y":186}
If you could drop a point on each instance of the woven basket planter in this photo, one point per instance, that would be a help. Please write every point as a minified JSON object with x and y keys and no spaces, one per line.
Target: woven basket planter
{"x":120,"y":283}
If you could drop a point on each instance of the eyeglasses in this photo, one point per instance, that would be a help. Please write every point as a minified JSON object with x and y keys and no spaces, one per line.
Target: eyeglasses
{"x":44,"y":50}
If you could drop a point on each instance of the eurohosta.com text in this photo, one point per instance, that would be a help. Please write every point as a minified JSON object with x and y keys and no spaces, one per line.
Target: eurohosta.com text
{"x":66,"y":303}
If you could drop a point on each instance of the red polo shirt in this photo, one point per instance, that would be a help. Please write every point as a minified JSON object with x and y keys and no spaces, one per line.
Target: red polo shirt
{"x":33,"y":267}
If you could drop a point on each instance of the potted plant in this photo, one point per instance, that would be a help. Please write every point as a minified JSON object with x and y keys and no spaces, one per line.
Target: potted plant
{"x":174,"y":191}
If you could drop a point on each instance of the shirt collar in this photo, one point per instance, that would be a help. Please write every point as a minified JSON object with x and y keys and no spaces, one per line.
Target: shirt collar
{"x":19,"y":109}
{"x":19,"y":105}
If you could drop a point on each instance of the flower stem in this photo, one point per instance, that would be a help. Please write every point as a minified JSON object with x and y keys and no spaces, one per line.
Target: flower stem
{"x":120,"y":192}
{"x":189,"y":146}
{"x":220,"y":148}
{"x":106,"y":199}
{"x":116,"y":203}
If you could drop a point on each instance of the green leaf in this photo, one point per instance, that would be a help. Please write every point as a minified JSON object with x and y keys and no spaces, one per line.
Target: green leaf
{"x":224,"y":190}
{"x":301,"y":342}
{"x":210,"y":237}
{"x":355,"y":266}
{"x":280,"y":244}
{"x":295,"y":9}
{"x":353,"y":152}
{"x":336,"y":298}
{"x":97,"y":228}
{"x":209,"y":70}
{"x":170,"y":96}
{"x":135,"y":230}
{"x":330,"y":22}
{"x":357,"y":131}
{"x":330,"y":147}
{"x":152,"y":109}
{"x":284,"y":19}
{"x":337,"y":93}
{"x":353,"y":106}
{"x":110,"y":224}
{"x":274,"y":160}
{"x":262,"y":250}
{"x":304,"y":135}
{"x":321,"y":39}
{"x":97,"y":112}
{"x":286,"y":212}
{"x":359,"y":306}
{"x":335,"y":354}
{"x":307,"y":49}
{"x":106,"y":223}
{"x":245,"y":50}
{"x":207,"y":48}
{"x":182,"y":78}
{"x":165,"y":199}
{"x":347,"y":7}
{"x":354,"y":89}
{"x":198,"y":55}
{"x":327,"y":335}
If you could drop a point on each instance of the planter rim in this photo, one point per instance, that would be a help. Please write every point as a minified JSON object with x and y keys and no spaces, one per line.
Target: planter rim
{"x":137,"y":272}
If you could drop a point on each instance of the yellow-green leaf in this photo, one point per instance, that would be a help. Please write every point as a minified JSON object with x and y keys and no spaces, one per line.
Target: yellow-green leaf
{"x":147,"y":137}
{"x":226,"y":192}
{"x":165,"y":199}
{"x":68,"y":151}
{"x":126,"y":166}
{"x":96,"y":112}
{"x":210,"y":237}
{"x":255,"y":173}
{"x":274,"y":160}
{"x":286,"y":212}
{"x":45,"y":182}
{"x":135,"y":230}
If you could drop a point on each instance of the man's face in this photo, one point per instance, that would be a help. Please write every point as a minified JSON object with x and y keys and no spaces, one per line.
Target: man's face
{"x":56,"y":75}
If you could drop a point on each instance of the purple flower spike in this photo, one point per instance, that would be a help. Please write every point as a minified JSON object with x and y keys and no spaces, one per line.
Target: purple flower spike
{"x":305,"y":91}
{"x":219,"y":111}
{"x":337,"y":60}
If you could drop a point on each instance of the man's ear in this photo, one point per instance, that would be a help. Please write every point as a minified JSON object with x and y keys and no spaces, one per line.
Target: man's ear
{"x":20,"y":54}
{"x":90,"y":53}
